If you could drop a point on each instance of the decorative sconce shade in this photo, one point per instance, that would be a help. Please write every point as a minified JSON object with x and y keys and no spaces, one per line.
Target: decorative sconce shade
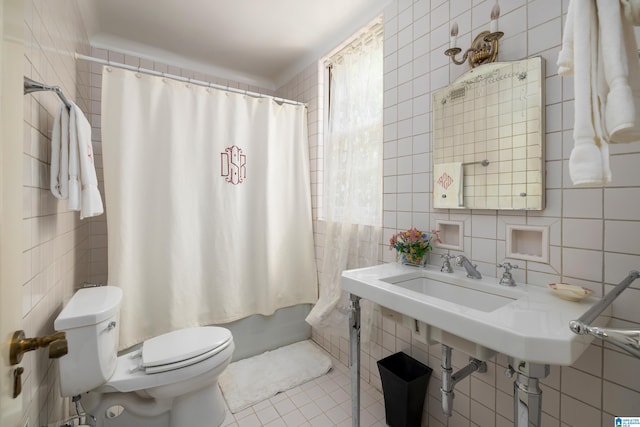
{"x":484,"y":48}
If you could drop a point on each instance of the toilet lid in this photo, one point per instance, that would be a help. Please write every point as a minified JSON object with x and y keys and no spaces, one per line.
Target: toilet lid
{"x":183,"y":344}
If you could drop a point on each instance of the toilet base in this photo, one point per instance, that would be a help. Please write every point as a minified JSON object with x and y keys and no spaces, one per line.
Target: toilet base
{"x":190,"y":410}
{"x":202,"y":407}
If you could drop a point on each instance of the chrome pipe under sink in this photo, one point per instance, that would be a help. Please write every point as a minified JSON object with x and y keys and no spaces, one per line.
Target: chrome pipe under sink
{"x":449,"y":379}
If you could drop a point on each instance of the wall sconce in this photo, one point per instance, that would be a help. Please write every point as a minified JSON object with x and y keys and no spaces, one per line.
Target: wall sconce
{"x":484,"y":48}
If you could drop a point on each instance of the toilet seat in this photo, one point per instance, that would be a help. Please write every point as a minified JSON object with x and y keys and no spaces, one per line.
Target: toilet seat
{"x":182,"y":348}
{"x":131,"y":375}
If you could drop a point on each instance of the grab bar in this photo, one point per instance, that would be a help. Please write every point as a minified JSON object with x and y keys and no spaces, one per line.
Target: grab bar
{"x":626,"y":339}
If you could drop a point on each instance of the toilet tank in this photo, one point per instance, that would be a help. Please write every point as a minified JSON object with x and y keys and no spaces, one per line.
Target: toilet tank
{"x":90,"y":321}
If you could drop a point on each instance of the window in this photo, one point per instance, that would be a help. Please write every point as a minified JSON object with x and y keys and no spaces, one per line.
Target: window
{"x":353,"y":135}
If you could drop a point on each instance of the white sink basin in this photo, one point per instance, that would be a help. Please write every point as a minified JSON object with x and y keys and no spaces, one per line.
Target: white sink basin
{"x":526,"y":322}
{"x":483,"y":300}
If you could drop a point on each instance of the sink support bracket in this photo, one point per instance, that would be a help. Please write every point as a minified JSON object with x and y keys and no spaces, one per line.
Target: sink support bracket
{"x":354,"y":357}
{"x":527,"y":396}
{"x":449,"y":379}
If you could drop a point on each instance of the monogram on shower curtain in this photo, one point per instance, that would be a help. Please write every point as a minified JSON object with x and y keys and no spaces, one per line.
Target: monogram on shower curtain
{"x":208,"y":204}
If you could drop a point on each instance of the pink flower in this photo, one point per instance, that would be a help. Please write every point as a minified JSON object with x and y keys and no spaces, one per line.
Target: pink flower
{"x":412,"y":241}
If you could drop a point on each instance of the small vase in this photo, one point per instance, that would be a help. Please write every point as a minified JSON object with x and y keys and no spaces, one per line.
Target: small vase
{"x":415,"y":261}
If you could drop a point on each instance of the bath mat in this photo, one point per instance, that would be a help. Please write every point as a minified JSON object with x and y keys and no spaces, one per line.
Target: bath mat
{"x":249,"y":381}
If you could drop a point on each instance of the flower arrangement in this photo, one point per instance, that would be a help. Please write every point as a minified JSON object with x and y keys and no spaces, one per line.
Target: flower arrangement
{"x":413,"y":244}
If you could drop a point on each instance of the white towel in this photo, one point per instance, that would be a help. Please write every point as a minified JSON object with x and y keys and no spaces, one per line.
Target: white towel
{"x":632,"y":11}
{"x":83,"y":182}
{"x":565,"y":57}
{"x":622,"y":72}
{"x":589,"y":157}
{"x":599,"y":50}
{"x":448,"y":185}
{"x":59,"y":178}
{"x":74,"y":164}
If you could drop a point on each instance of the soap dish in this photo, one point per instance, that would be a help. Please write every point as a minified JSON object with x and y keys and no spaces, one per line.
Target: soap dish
{"x":569,"y":292}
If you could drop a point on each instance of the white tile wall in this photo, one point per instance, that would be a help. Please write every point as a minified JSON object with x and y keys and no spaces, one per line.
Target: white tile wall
{"x":594,"y":231}
{"x":582,"y":203}
{"x":56,"y":242}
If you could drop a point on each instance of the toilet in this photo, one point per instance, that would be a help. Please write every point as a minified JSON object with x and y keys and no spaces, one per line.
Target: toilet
{"x":169,"y":381}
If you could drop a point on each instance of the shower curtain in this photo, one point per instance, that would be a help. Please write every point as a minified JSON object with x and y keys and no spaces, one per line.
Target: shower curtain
{"x":208,"y":204}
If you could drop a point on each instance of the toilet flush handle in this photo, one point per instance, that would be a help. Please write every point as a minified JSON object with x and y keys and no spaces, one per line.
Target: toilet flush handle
{"x":111,"y":325}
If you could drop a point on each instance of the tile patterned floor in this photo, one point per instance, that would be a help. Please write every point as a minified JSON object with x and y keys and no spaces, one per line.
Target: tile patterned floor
{"x":323,"y":402}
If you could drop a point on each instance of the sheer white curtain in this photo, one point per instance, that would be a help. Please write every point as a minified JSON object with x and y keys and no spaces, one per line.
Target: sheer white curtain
{"x":353,"y":180}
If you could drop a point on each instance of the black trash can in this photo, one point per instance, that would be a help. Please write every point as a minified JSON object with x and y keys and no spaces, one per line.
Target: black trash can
{"x":404,"y":385}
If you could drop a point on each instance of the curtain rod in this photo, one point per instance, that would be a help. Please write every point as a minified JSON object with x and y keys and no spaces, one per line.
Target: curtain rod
{"x":186,"y":79}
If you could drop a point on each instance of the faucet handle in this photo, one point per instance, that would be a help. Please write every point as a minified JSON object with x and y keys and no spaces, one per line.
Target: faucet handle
{"x":446,"y":265}
{"x":507,"y":278}
{"x":508,"y":266}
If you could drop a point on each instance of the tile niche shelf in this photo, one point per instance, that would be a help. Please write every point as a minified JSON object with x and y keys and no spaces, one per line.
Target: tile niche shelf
{"x":527,"y":242}
{"x":451,"y":235}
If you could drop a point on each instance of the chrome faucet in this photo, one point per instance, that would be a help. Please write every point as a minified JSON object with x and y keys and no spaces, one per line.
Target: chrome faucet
{"x":472,"y":272}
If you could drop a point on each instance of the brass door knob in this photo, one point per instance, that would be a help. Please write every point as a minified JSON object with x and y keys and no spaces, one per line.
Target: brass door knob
{"x":58,"y":349}
{"x":20,"y":345}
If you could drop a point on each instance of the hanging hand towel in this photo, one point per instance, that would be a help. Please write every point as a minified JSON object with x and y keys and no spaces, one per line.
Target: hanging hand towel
{"x":448,"y":187}
{"x":631,"y":11}
{"x":83,"y":182}
{"x":74,"y":167}
{"x":588,"y":163}
{"x":565,"y":57}
{"x":59,"y":177}
{"x":599,"y":50}
{"x":620,"y":94}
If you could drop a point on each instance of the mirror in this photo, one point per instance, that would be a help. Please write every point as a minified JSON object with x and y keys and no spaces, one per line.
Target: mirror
{"x":488,"y":132}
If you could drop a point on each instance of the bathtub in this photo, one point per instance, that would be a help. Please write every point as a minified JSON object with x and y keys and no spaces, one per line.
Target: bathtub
{"x":257,"y":334}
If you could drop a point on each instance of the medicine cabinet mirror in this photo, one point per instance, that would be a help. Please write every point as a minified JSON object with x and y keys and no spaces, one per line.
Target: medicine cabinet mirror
{"x":488,"y":138}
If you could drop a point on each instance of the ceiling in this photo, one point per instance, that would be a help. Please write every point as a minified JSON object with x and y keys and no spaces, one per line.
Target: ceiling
{"x":258,"y":42}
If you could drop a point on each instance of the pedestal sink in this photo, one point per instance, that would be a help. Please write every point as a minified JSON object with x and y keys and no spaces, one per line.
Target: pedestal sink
{"x":479,"y":317}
